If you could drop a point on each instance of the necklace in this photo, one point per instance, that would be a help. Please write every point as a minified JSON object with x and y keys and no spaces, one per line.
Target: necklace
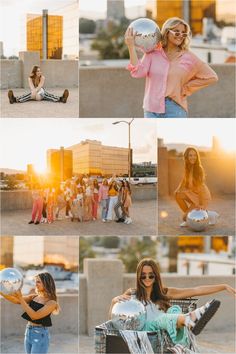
{"x":172,"y":53}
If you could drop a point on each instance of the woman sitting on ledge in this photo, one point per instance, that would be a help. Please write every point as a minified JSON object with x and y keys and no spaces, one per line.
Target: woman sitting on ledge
{"x":38,"y":93}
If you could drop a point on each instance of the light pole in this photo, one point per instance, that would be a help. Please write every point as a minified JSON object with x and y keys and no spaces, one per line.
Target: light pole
{"x":129,"y":148}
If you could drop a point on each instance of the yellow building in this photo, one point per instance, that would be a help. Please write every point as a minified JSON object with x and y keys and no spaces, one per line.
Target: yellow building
{"x":193,"y":11}
{"x":188,"y":244}
{"x":48,"y":29}
{"x":59,"y":163}
{"x":93,"y":158}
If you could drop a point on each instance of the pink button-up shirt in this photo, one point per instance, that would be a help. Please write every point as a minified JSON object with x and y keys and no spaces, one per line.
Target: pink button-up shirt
{"x":177,"y":78}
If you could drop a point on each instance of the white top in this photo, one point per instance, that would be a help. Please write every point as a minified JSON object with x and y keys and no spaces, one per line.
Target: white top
{"x":152,"y":311}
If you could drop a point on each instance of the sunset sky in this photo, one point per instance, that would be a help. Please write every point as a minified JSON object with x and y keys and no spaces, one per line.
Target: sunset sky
{"x":30,"y":138}
{"x":198,"y":131}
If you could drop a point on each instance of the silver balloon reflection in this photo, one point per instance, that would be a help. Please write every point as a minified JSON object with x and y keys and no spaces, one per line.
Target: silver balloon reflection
{"x":197,"y":220}
{"x":147,"y":34}
{"x":128,"y":315}
{"x":11,"y":280}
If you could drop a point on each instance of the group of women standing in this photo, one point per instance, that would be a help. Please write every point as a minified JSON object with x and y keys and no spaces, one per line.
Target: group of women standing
{"x":81,"y":199}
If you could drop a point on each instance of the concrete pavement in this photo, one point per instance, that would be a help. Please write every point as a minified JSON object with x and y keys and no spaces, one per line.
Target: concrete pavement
{"x":143,"y":214}
{"x":42,"y":109}
{"x":169,"y":225}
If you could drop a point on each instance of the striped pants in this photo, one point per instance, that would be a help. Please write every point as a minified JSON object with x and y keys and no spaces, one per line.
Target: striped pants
{"x":119,"y":210}
{"x":43,"y":93}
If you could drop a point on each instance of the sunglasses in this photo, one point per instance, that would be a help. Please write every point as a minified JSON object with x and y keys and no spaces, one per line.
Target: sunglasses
{"x":178,"y":34}
{"x":147,"y":276}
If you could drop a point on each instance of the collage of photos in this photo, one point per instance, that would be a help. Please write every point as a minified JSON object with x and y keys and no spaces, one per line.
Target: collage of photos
{"x":117,"y":196}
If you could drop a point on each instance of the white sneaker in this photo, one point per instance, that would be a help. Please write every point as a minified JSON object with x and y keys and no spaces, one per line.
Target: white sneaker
{"x":104,"y":220}
{"x":129,"y":221}
{"x":126,"y":220}
{"x":213,"y":217}
{"x":183,"y":224}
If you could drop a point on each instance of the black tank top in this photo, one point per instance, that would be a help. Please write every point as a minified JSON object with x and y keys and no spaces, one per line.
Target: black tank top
{"x":44,"y":321}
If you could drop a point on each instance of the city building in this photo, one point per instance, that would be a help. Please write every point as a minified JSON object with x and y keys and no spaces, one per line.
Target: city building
{"x":115,"y":9}
{"x":45,"y":34}
{"x":59,"y":163}
{"x":6,"y":252}
{"x":1,"y":49}
{"x":93,"y":158}
{"x":193,"y":11}
{"x":62,"y":251}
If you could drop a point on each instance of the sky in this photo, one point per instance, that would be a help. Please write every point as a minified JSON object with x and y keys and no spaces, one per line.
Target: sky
{"x":198,"y":131}
{"x":29,"y":140}
{"x":97,"y":9}
{"x":13,"y":22}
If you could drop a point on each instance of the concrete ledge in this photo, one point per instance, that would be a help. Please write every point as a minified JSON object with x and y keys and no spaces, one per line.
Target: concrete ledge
{"x":58,"y":73}
{"x":11,"y":73}
{"x":111,"y":92}
{"x":20,"y":200}
{"x":15,"y":200}
{"x":65,"y":322}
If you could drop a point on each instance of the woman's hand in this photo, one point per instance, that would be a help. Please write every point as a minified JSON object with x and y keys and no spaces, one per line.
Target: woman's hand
{"x":18,"y":295}
{"x":120,"y":298}
{"x":230,"y":290}
{"x":129,"y":37}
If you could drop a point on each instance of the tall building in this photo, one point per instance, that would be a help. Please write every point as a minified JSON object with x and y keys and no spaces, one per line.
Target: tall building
{"x":115,"y":9}
{"x":41,"y":250}
{"x":93,"y":158}
{"x":59,"y":163}
{"x":193,"y":11}
{"x":45,"y":34}
{"x":1,"y":49}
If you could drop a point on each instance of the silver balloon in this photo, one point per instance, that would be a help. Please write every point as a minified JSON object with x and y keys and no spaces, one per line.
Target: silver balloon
{"x":11,"y":280}
{"x":147,"y":34}
{"x":197,"y":220}
{"x":128,"y":315}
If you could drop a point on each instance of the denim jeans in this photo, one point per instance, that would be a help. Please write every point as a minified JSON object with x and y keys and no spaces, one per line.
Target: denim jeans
{"x":105,"y":205}
{"x":36,"y":340}
{"x":172,"y":110}
{"x":112,"y":202}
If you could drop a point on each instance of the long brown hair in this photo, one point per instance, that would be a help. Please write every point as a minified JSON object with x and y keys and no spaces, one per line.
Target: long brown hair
{"x":158,"y":294}
{"x":34,"y":77}
{"x":49,"y":288}
{"x":198,"y":171}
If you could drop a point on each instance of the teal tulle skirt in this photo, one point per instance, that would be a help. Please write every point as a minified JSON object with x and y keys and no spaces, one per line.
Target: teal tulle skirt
{"x":168,"y":321}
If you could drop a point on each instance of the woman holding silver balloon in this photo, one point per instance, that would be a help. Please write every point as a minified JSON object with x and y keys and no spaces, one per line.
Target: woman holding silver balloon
{"x":192,"y":192}
{"x":160,"y":315}
{"x":38,"y":308}
{"x":171,"y":70}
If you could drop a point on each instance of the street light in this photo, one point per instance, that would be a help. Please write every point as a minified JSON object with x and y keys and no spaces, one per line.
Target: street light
{"x":129,"y":149}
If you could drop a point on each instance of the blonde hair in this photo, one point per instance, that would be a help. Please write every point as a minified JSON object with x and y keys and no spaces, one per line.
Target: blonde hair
{"x":170,"y":24}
